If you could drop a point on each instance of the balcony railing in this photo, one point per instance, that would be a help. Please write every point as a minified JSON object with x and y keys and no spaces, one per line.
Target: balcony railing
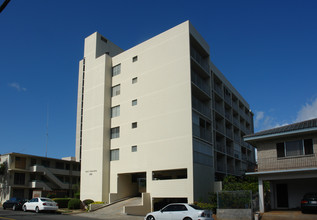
{"x":286,"y":163}
{"x":202,"y":133}
{"x":220,"y":147}
{"x":201,"y":107}
{"x":203,"y":62}
{"x":200,"y":82}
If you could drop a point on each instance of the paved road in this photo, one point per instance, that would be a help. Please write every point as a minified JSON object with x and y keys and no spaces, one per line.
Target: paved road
{"x":20,"y":215}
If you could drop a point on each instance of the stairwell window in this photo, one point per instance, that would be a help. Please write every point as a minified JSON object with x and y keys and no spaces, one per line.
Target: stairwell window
{"x":114,"y":154}
{"x":115,"y":90}
{"x":115,"y":132}
{"x":134,"y":125}
{"x":115,"y":111}
{"x":135,"y":58}
{"x":134,"y":148}
{"x":116,"y":70}
{"x":134,"y":102}
{"x":134,"y":80}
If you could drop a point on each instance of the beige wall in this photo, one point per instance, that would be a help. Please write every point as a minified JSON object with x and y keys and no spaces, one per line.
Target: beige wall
{"x":163,"y":112}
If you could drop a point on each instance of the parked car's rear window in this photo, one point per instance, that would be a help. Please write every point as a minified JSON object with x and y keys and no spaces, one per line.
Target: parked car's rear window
{"x":196,"y":207}
{"x":310,"y":195}
{"x":47,"y":200}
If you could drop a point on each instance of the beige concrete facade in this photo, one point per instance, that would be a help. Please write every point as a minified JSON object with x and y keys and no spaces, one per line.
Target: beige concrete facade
{"x":147,"y":127}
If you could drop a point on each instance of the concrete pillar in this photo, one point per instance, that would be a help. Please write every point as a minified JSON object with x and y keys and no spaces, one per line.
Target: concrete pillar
{"x":261,"y":196}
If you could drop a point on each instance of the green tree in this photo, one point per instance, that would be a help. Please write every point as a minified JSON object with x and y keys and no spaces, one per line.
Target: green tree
{"x":233,"y":183}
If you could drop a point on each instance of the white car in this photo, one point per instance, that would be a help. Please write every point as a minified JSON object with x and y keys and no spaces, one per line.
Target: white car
{"x":40,"y":204}
{"x":180,"y":211}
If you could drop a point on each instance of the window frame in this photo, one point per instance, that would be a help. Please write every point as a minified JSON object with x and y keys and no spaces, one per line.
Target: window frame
{"x":115,"y":132}
{"x":116,"y":90}
{"x":114,"y":154}
{"x":115,"y":111}
{"x":134,"y":102}
{"x":284,"y":149}
{"x":116,"y":70}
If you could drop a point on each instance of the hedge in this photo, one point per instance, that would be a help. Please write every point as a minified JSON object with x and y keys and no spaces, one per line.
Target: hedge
{"x":62,"y":202}
{"x":74,"y":204}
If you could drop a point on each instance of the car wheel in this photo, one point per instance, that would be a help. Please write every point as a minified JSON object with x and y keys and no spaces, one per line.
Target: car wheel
{"x":4,"y":207}
{"x":24,"y":208}
{"x":150,"y":217}
{"x":14,"y":208}
{"x":187,"y":218}
{"x":37,"y":210}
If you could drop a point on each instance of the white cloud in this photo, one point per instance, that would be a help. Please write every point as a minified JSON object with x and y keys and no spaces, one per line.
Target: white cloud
{"x":308,"y":111}
{"x":263,"y":121}
{"x":17,"y":86}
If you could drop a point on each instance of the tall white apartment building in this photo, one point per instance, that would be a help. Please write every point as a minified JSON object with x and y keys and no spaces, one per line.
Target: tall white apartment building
{"x":158,"y":119}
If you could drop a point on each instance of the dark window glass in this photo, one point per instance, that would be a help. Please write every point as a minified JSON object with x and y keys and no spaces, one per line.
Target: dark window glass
{"x":280,"y":150}
{"x":308,"y":145}
{"x":19,"y":178}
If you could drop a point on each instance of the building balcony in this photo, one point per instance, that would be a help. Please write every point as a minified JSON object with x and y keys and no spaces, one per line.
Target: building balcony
{"x":228,"y":99}
{"x":202,"y":133}
{"x":219,"y":108}
{"x":220,"y":167}
{"x":287,"y":163}
{"x":200,"y":83}
{"x":201,"y":107}
{"x":218,"y":89}
{"x":220,"y":147}
{"x":199,"y":60}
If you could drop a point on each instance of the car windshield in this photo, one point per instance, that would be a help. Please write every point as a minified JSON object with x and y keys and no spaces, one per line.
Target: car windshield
{"x":196,"y":207}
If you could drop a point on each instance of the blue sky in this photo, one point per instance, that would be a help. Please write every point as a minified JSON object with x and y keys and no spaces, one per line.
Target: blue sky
{"x":266,"y":49}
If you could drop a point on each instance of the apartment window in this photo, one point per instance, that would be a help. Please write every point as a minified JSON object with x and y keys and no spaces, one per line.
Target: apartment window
{"x":45,"y":163}
{"x":134,"y":80}
{"x":134,"y":148}
{"x":115,"y":132}
{"x":59,"y":165}
{"x":116,"y":70}
{"x":33,"y":161}
{"x":134,"y":102}
{"x":115,"y":111}
{"x":134,"y":125}
{"x":134,"y":59}
{"x":294,"y":148}
{"x":20,"y":162}
{"x":19,"y":178}
{"x":114,"y":155}
{"x":115,"y":90}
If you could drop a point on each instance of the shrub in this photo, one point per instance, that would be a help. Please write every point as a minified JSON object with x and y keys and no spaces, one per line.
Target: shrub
{"x":207,"y":206}
{"x":77,"y":195}
{"x":74,"y":204}
{"x":62,"y":202}
{"x":88,"y":201}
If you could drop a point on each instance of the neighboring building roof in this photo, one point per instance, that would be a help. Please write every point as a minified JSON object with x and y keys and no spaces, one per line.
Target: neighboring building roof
{"x":300,"y":127}
{"x":66,"y":159}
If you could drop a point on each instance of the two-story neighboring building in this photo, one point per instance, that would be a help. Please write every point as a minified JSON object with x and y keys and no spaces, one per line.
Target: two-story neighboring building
{"x":286,"y":158}
{"x":28,"y":176}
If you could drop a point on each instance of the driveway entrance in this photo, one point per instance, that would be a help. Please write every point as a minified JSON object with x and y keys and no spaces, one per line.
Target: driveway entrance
{"x":283,"y":215}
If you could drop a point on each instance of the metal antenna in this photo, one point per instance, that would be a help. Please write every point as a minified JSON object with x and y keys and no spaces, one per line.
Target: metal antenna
{"x":46,"y":130}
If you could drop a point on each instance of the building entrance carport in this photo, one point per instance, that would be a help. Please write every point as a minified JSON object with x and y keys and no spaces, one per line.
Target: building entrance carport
{"x":293,"y":183}
{"x":129,"y":185}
